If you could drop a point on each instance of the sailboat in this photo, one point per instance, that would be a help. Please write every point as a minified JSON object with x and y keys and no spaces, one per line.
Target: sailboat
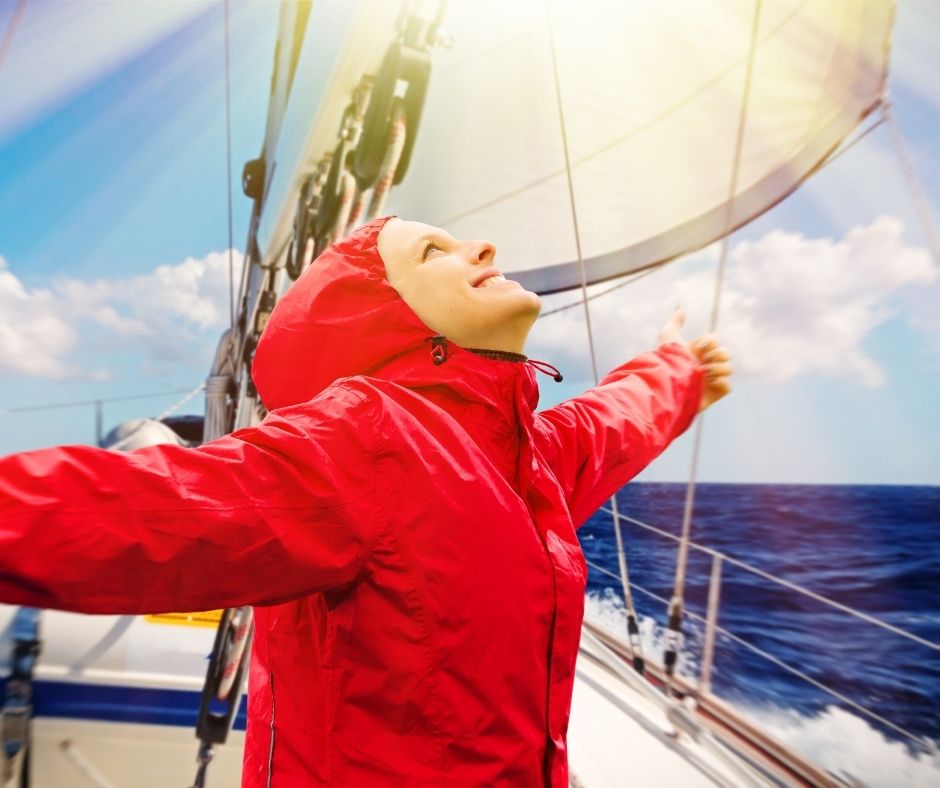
{"x":501,"y":120}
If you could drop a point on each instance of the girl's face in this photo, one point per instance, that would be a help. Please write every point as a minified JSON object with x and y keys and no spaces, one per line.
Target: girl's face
{"x":454,"y":287}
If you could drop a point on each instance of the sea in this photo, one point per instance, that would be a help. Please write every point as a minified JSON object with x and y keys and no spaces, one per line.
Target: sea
{"x":872,"y":548}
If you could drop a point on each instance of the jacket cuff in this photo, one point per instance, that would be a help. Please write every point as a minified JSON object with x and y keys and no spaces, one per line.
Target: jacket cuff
{"x":686,"y":365}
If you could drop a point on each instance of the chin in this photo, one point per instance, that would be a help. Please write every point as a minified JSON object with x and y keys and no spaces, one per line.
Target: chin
{"x":533,"y":301}
{"x":519,"y":294}
{"x":526,"y":308}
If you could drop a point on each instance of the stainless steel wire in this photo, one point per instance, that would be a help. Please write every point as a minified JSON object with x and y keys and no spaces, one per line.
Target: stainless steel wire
{"x":920,"y":741}
{"x":675,"y":612}
{"x":621,"y":555}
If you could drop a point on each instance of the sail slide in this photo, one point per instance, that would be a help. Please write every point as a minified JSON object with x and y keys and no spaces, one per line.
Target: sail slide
{"x":645,"y":111}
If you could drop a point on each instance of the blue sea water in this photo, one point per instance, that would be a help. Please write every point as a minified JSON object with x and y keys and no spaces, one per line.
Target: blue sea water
{"x":874,"y":548}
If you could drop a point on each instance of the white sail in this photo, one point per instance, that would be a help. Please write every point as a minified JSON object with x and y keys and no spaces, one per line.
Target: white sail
{"x":651,"y":95}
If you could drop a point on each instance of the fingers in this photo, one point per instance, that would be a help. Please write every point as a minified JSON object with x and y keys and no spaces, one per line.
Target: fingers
{"x":719,"y":389}
{"x":705,"y":342}
{"x":716,"y":355}
{"x":718,"y":370}
{"x":708,"y":350}
{"x":714,"y":391}
{"x":715,"y":360}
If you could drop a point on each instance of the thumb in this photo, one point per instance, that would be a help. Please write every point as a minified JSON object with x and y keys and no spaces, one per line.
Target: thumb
{"x":671,"y":332}
{"x":678,"y":317}
{"x":676,"y":321}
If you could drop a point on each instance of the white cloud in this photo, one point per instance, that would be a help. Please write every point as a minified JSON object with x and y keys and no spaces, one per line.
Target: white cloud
{"x":790,"y":305}
{"x":34,"y":338}
{"x":173,"y":314}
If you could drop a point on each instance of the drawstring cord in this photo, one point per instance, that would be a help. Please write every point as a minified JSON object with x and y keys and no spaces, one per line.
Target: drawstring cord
{"x":440,"y":354}
{"x":552,"y":370}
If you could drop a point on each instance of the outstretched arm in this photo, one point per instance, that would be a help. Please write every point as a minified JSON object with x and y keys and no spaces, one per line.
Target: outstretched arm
{"x":598,"y":441}
{"x":262,"y":515}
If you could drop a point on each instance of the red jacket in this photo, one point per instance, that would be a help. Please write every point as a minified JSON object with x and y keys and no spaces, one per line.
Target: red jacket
{"x":405,"y":533}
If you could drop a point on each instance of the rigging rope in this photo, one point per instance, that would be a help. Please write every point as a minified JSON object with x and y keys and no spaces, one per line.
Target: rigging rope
{"x":849,"y":145}
{"x":617,"y":286}
{"x":119,"y":445}
{"x":633,"y":630}
{"x":674,"y":629}
{"x":220,"y":383}
{"x":228,"y":172}
{"x":919,"y":740}
{"x":911,"y":179}
{"x":737,"y":562}
{"x":86,"y":402}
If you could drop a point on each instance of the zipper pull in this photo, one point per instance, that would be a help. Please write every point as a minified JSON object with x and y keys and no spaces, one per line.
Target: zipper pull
{"x":438,"y":348}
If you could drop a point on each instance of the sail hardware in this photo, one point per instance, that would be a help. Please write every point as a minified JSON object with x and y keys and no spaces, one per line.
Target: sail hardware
{"x":303,"y":242}
{"x":222,"y":689}
{"x":253,"y":174}
{"x":397,"y":135}
{"x":403,"y":64}
{"x":220,"y":388}
{"x":17,"y":711}
{"x":336,"y":194}
{"x":373,"y":148}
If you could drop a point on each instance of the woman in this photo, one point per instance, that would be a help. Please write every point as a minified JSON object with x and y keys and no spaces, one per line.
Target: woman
{"x":403,"y":521}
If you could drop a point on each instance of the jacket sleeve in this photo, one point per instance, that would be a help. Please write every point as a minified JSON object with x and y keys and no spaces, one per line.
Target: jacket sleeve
{"x":262,"y":515}
{"x":598,"y":441}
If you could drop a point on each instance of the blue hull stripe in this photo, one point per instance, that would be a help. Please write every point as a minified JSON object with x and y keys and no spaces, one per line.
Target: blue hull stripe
{"x":114,"y":703}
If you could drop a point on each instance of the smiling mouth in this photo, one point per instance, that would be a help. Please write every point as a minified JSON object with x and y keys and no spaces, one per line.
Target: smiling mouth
{"x":490,"y":281}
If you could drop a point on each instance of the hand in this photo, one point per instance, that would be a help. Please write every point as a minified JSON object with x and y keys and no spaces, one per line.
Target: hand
{"x":712,"y":356}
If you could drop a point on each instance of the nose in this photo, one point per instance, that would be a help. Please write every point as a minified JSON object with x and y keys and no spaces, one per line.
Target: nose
{"x":485,"y":252}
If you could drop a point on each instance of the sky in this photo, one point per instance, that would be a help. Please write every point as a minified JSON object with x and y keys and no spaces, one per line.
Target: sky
{"x":114,"y":255}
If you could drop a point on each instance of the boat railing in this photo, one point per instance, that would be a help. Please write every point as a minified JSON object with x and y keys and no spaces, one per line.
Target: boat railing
{"x":712,"y":628}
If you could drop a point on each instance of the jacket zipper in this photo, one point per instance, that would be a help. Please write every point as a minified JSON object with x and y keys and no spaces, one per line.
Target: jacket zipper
{"x":271,"y":745}
{"x":549,"y":743}
{"x":525,"y":450}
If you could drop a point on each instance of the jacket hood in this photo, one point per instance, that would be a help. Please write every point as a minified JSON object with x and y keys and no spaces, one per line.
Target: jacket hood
{"x":342,"y":318}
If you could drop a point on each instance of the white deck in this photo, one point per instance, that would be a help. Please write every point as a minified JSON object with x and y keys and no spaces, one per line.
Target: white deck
{"x":619,"y":736}
{"x":126,"y":755}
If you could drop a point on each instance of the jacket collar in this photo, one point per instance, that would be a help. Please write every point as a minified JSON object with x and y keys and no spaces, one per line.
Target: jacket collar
{"x":498,"y":391}
{"x":342,"y":318}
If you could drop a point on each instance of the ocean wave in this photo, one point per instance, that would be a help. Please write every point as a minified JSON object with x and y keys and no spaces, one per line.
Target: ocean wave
{"x":833,"y":738}
{"x":608,"y":611}
{"x":849,"y":746}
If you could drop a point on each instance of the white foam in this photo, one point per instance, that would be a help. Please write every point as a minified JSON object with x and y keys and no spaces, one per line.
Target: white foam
{"x":608,"y":611}
{"x":849,"y":746}
{"x":835,"y":739}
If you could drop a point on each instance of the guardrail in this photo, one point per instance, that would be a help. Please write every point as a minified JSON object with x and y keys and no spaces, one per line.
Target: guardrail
{"x":98,"y":405}
{"x":711,"y":627}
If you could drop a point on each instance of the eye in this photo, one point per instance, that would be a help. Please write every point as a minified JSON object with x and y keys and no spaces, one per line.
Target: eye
{"x":428,"y":248}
